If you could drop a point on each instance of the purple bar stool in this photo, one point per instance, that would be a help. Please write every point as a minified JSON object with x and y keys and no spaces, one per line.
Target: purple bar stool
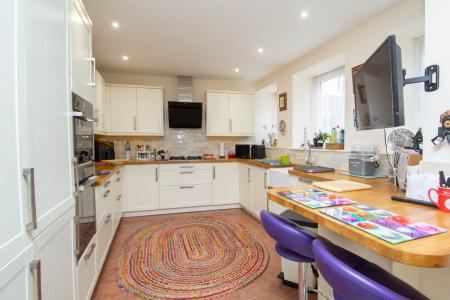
{"x":293,"y":243}
{"x":353,"y":277}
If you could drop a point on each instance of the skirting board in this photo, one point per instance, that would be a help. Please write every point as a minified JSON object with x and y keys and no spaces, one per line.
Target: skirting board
{"x":178,"y":210}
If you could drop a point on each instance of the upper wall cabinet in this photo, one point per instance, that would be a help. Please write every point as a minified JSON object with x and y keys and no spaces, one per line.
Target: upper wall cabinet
{"x":229,"y":114}
{"x":100,"y":104}
{"x":83,"y":62}
{"x":135,"y":110}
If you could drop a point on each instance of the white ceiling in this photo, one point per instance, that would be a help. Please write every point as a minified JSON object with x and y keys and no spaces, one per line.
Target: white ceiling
{"x":210,"y":38}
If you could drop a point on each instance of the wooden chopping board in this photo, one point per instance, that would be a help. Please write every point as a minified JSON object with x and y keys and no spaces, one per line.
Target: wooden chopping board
{"x":341,"y":185}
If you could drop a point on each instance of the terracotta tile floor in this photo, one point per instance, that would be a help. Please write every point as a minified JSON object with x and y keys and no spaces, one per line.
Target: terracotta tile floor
{"x":265,"y":287}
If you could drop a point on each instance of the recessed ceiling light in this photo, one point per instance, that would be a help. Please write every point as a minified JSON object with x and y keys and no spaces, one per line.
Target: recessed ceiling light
{"x":125,"y":57}
{"x":115,"y":24}
{"x":236,"y":70}
{"x":260,"y":50}
{"x":304,"y":14}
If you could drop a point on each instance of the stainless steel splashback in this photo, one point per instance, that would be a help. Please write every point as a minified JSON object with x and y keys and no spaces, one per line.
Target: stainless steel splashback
{"x":185,"y":89}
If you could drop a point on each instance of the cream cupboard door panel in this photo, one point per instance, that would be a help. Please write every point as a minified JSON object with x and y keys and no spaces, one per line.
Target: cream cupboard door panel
{"x":123,"y":109}
{"x":218,"y":122}
{"x":16,"y":280}
{"x":244,"y":185}
{"x":44,"y":103}
{"x":150,"y":111}
{"x":141,"y":188}
{"x":13,"y":236}
{"x":225,"y":183}
{"x":258,"y":190}
{"x":54,"y":250}
{"x":83,"y":70}
{"x":241,"y":114}
{"x":99,"y":103}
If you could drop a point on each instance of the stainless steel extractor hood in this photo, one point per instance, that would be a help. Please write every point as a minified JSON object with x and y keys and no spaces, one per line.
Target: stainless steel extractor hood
{"x":185,"y":89}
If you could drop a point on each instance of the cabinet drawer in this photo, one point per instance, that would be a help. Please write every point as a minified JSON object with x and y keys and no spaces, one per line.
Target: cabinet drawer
{"x":185,"y":167}
{"x":185,"y":195}
{"x":104,"y":197}
{"x":185,"y":176}
{"x":104,"y":235}
{"x":86,"y":271}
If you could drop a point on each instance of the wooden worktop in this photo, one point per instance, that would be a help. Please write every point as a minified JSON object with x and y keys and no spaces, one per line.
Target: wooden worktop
{"x":114,"y":165}
{"x":430,"y":252}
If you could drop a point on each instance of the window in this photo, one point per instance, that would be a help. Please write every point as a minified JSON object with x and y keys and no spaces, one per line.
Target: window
{"x":418,"y":92}
{"x":328,"y":105}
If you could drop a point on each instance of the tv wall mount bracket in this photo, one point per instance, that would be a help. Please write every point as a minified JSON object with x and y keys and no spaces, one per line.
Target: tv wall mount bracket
{"x":430,"y":79}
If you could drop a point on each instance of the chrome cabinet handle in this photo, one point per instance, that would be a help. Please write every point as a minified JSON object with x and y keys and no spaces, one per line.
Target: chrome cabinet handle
{"x":248,"y":174}
{"x":92,"y":75}
{"x":156,"y":174}
{"x":107,"y":183}
{"x":105,"y":194}
{"x":187,"y":172}
{"x":119,"y":197}
{"x":214,"y":172}
{"x":229,"y":124}
{"x":76,"y":220}
{"x":29,"y":173}
{"x":265,"y":180}
{"x":108,"y":218}
{"x":35,"y":268}
{"x":186,"y":167}
{"x":91,"y":250}
{"x":134,"y":123}
{"x":187,"y":187}
{"x":118,"y":179}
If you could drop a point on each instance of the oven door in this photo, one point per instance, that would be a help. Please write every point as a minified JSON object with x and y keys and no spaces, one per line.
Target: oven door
{"x":85,"y":218}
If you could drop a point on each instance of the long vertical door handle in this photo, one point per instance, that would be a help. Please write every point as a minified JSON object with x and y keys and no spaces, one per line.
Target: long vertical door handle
{"x":76,"y":220}
{"x":265,"y":180}
{"x":29,"y":173}
{"x":92,"y":70}
{"x":134,"y":123}
{"x":160,"y":123}
{"x":156,"y":174}
{"x":229,"y":125}
{"x":35,"y":268}
{"x":214,"y":172}
{"x":248,"y":174}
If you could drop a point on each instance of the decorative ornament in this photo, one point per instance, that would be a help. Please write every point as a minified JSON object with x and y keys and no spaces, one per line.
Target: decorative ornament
{"x":282,"y":127}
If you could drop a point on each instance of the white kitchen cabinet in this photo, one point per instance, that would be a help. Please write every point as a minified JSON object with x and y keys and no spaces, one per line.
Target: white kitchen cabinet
{"x":54,"y":250}
{"x":44,"y":121}
{"x":100,"y":104}
{"x":122,"y":101}
{"x":229,"y":114}
{"x":118,"y":199}
{"x":16,"y":280}
{"x":244,"y":185}
{"x":104,"y":236}
{"x":180,"y":196}
{"x":135,"y":110}
{"x":83,"y":62}
{"x":150,"y":111}
{"x":225,"y":183}
{"x":258,"y":190}
{"x":218,"y":122}
{"x":141,"y":188}
{"x":241,"y":111}
{"x":87,"y":271}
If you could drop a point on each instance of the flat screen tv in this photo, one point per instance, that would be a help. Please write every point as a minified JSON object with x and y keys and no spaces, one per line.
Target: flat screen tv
{"x":185,"y":114}
{"x":378,"y":89}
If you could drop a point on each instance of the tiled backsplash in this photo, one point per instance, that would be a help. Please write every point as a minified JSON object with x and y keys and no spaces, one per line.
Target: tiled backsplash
{"x":327,"y":158}
{"x":177,"y":142}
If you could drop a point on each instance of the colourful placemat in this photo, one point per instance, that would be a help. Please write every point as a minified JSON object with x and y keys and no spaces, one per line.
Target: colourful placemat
{"x":315,"y":198}
{"x":382,"y":224}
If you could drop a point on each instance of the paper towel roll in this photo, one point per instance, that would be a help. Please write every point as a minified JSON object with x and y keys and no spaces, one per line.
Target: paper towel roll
{"x":222,"y":150}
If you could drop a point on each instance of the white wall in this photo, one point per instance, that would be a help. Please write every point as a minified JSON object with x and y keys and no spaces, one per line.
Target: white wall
{"x":266,"y":107}
{"x":357,"y":44}
{"x":437,"y":50}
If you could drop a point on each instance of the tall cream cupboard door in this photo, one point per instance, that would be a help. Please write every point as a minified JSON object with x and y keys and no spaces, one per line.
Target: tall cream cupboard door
{"x":241,"y":114}
{"x":150,"y":111}
{"x":44,"y":119}
{"x":13,"y":236}
{"x":83,"y":63}
{"x":217,"y":122}
{"x":123,"y":110}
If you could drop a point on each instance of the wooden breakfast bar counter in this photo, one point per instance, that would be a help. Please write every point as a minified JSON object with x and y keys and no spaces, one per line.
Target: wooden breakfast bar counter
{"x":424,"y":263}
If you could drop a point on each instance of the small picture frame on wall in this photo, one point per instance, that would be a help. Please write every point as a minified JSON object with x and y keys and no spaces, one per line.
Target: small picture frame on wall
{"x":282,"y":101}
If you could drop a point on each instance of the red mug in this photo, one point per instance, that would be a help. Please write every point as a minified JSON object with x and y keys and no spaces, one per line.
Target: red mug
{"x":443,"y":202}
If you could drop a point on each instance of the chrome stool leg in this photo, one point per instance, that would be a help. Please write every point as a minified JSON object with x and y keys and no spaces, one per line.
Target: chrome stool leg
{"x":303,"y":288}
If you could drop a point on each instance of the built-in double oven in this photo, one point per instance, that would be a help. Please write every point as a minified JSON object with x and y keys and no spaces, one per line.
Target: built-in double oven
{"x":84,"y":170}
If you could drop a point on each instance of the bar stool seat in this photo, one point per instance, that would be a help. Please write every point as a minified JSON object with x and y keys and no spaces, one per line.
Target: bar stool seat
{"x":353,"y":277}
{"x":293,"y":243}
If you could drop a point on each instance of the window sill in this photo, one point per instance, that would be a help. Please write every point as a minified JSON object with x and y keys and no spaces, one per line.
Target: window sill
{"x":306,"y":150}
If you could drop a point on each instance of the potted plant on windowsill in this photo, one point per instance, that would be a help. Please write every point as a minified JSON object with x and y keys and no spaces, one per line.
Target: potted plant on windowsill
{"x":320,"y":139}
{"x":271,"y":134}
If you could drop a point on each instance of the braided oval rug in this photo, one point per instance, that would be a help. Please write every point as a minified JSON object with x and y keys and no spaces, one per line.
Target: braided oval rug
{"x":191,"y":258}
